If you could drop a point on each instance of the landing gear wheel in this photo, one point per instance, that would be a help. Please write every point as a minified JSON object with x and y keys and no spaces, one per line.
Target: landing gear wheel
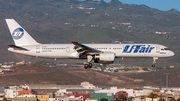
{"x":90,"y":65}
{"x":86,"y":66}
{"x":153,"y":65}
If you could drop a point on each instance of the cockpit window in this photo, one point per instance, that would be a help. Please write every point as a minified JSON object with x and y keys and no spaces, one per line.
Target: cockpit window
{"x":166,"y":49}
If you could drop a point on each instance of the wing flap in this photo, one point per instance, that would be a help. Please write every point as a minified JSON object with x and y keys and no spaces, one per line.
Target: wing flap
{"x":84,"y":50}
{"x":82,"y":47}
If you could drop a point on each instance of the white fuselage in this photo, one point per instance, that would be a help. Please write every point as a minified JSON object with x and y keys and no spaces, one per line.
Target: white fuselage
{"x":62,"y":51}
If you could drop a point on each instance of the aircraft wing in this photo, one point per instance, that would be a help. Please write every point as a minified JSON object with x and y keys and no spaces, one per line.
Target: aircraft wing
{"x":84,"y":50}
{"x":17,"y":47}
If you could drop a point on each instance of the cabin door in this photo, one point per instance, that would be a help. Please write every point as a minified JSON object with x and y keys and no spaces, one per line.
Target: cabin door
{"x":157,"y":49}
{"x":67,"y":49}
{"x":37,"y":49}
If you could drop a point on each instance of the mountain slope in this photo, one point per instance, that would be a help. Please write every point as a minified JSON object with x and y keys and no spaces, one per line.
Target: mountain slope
{"x":38,"y":74}
{"x":159,"y":78}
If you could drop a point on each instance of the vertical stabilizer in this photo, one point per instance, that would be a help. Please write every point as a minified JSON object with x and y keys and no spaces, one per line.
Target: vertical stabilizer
{"x":19,"y":35}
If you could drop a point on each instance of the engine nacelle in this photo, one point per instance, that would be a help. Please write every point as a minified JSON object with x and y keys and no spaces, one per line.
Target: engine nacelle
{"x":107,"y":57}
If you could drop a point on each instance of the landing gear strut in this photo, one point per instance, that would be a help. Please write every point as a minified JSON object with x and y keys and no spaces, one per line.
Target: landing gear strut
{"x":88,"y":64}
{"x":154,"y":61}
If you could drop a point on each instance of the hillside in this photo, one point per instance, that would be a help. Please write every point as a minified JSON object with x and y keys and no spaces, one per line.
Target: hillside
{"x":159,"y":78}
{"x":38,"y":74}
{"x":59,"y":21}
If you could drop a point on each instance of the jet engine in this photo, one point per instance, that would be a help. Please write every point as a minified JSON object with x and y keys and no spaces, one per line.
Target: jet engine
{"x":105,"y":58}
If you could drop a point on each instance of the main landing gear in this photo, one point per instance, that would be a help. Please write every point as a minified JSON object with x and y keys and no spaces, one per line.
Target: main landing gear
{"x":154,"y":61}
{"x":88,"y":64}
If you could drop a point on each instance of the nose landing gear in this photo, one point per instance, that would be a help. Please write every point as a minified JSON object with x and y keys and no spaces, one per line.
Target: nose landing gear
{"x":153,"y":65}
{"x":154,"y":61}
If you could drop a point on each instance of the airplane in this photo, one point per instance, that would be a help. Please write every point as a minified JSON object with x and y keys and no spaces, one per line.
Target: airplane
{"x":100,"y":53}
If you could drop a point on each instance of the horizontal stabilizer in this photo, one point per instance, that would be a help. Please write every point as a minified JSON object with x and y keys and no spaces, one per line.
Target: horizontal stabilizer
{"x":17,"y":47}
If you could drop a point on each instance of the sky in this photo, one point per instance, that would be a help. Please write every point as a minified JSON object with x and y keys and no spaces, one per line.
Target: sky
{"x":163,"y":5}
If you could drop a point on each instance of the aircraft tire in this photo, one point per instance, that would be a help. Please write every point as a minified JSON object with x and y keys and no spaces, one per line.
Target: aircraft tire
{"x":86,"y":66}
{"x":90,"y":65}
{"x":153,"y":65}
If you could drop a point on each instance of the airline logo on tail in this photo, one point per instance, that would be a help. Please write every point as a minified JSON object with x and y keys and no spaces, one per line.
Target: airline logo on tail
{"x":18,"y":33}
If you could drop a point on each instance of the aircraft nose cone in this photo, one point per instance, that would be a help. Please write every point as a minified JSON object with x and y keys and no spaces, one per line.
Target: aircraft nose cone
{"x":172,"y":53}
